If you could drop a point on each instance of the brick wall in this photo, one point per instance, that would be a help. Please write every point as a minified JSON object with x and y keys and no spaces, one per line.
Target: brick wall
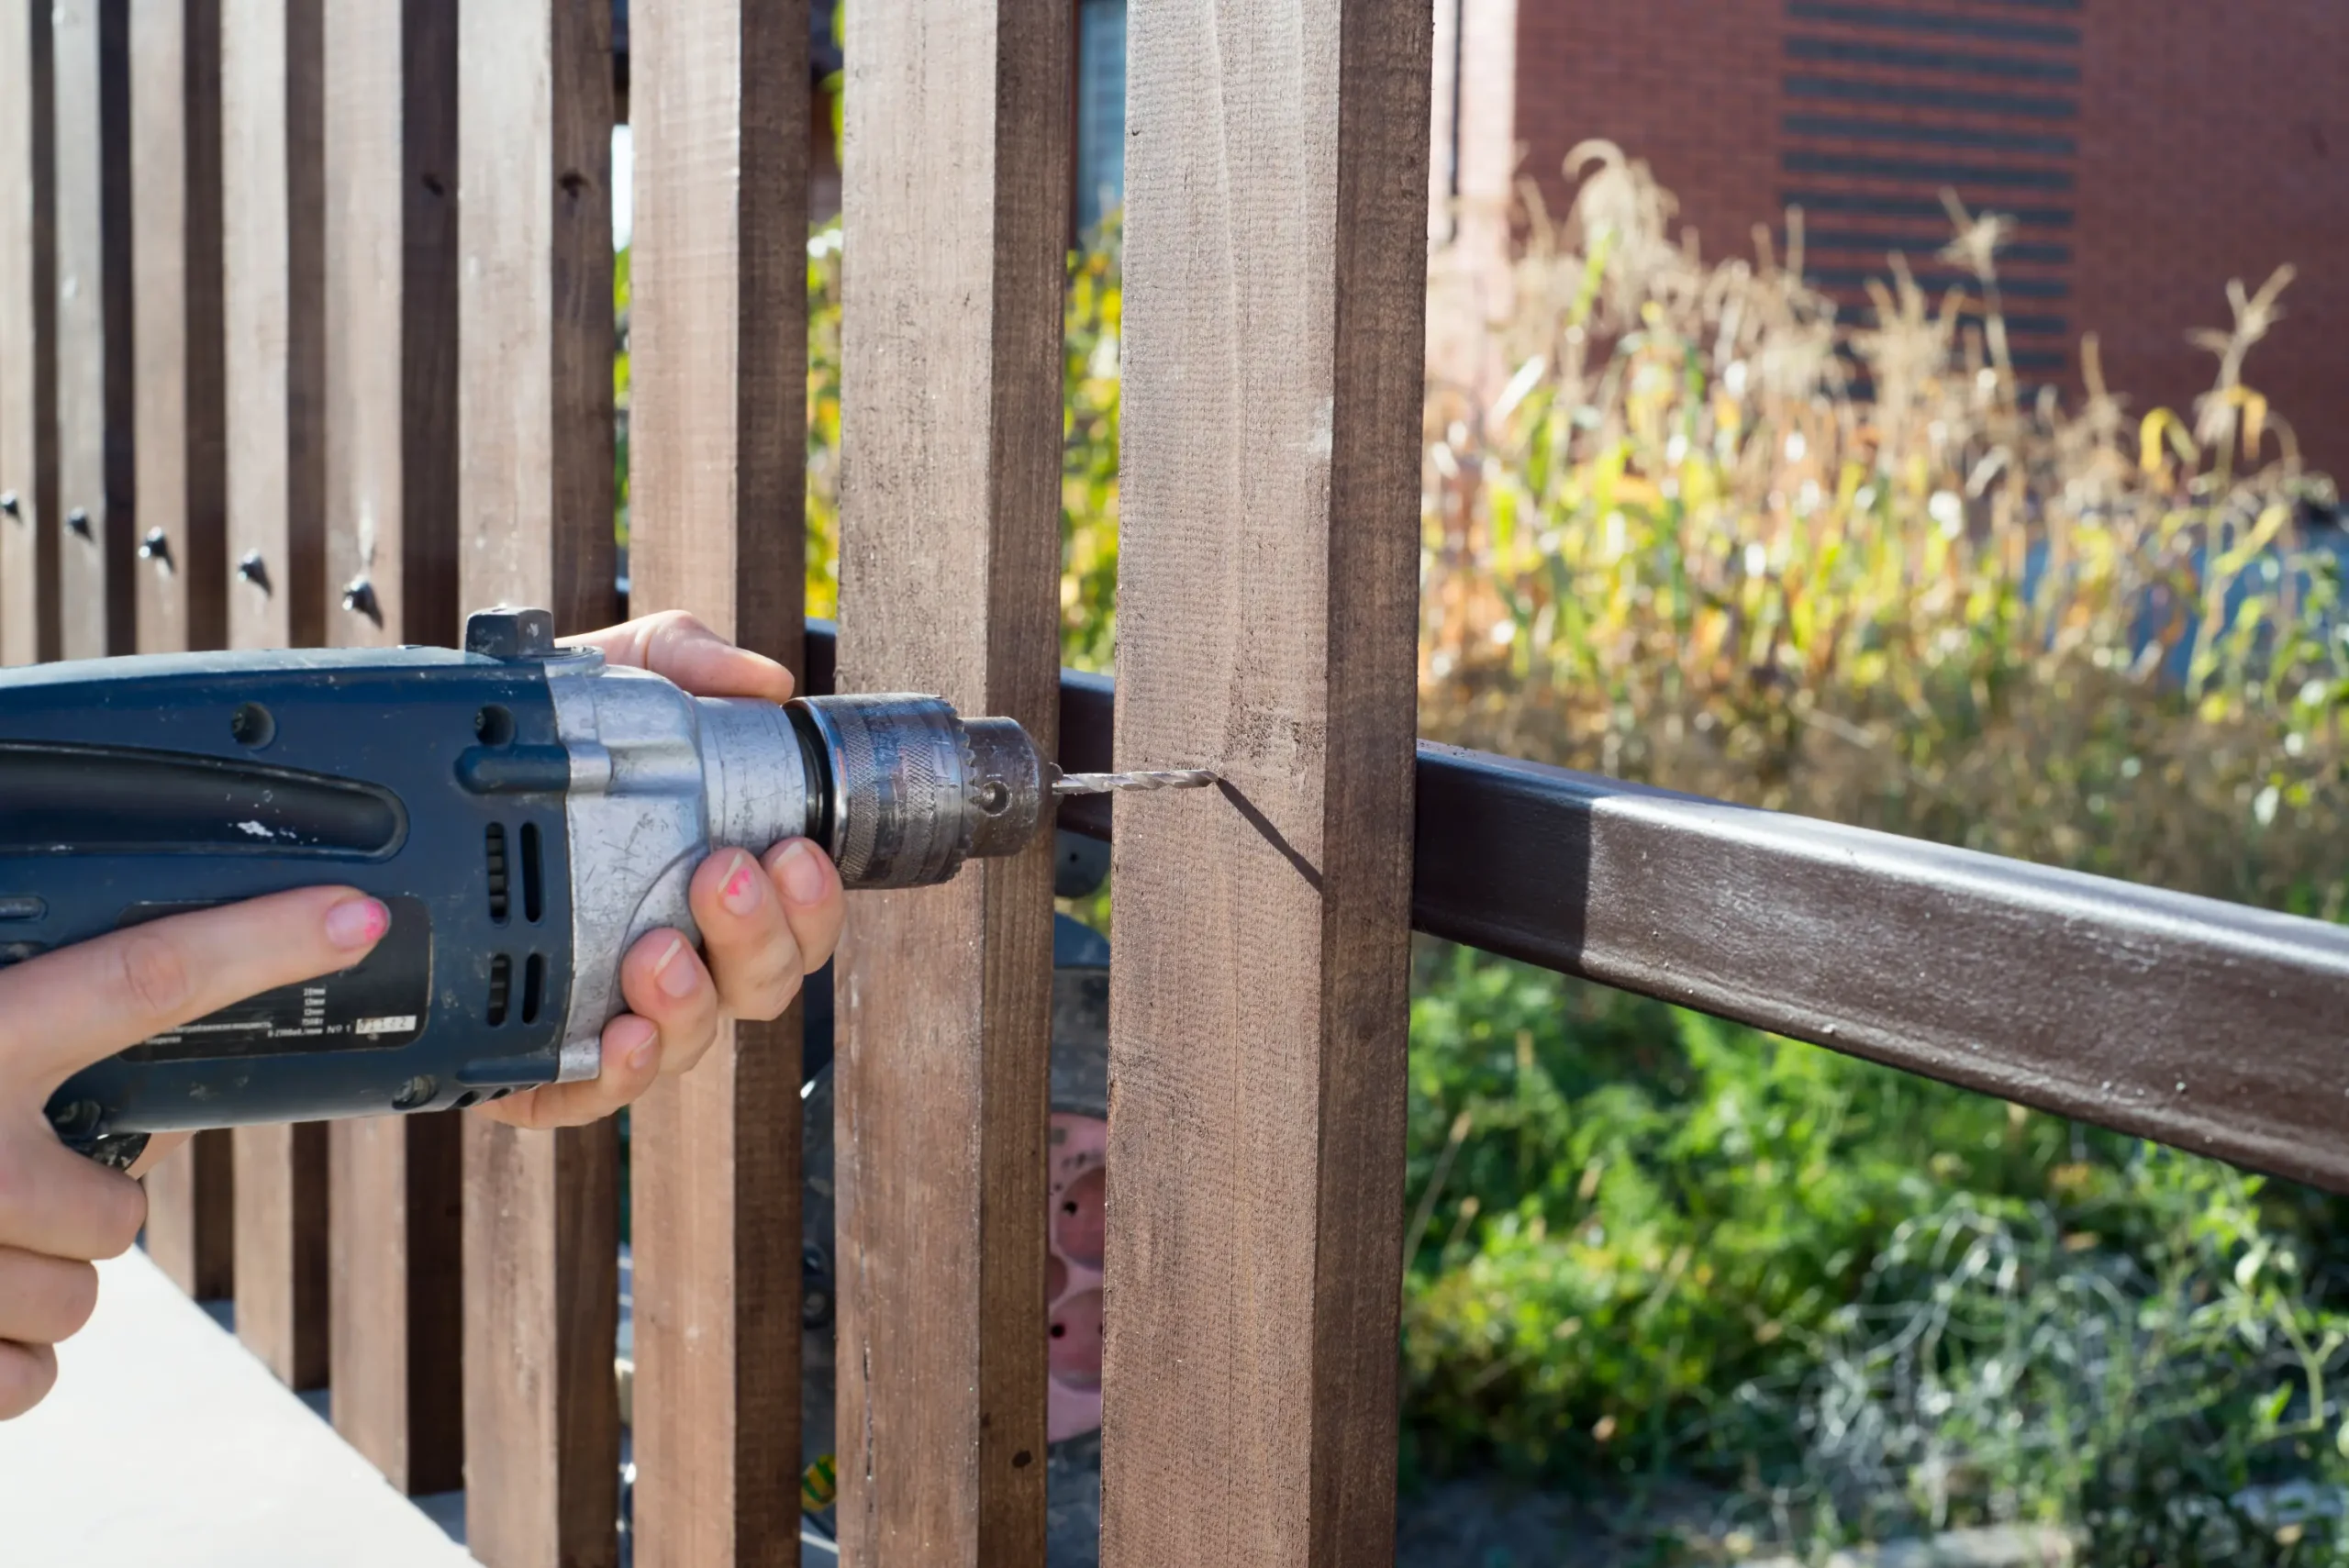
{"x":2153,"y":148}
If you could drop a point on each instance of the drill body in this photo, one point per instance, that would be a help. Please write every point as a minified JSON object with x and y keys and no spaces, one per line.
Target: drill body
{"x":525,"y":812}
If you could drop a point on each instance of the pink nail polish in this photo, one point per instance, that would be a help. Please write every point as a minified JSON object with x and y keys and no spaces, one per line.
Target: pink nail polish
{"x":741,"y":893}
{"x":357,"y":923}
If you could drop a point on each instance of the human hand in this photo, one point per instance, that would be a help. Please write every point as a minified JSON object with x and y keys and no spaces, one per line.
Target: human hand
{"x":63,"y":1010}
{"x":766,"y":921}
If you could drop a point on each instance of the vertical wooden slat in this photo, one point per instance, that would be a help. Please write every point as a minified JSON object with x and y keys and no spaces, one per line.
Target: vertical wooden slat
{"x":181,"y":585}
{"x":535,"y":499}
{"x":274,"y":339}
{"x":280,"y":1233}
{"x":272,"y":245}
{"x":956,"y":192}
{"x":191,"y":1216}
{"x":1275,"y":225}
{"x":717,"y":339}
{"x":96,"y":611}
{"x":28,"y":623}
{"x":182,"y":588}
{"x":391,"y":481}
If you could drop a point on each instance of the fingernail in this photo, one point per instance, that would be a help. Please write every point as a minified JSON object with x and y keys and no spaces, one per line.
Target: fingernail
{"x":741,"y":893}
{"x":803,"y":879}
{"x":676,"y":979}
{"x":637,"y":1041}
{"x":357,"y":922}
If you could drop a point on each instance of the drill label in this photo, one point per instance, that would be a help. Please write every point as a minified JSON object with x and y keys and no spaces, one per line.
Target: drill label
{"x":380,"y":1002}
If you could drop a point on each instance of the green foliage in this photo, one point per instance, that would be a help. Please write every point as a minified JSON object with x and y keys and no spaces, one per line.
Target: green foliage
{"x":1644,"y":1241}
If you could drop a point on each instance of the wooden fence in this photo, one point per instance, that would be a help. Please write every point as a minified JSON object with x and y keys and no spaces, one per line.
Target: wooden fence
{"x":306,"y":336}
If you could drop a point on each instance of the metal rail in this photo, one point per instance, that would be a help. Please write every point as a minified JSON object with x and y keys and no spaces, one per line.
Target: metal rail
{"x":2193,"y":1022}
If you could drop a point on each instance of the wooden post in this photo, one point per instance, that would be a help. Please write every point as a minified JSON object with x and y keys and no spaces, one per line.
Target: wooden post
{"x":535,"y":504}
{"x":396,"y":1301}
{"x":192,"y":1217}
{"x":29,"y":625}
{"x":97,"y":613}
{"x":272,"y":182}
{"x":956,"y":192}
{"x":1275,"y":225}
{"x":180,"y":400}
{"x":717,"y":441}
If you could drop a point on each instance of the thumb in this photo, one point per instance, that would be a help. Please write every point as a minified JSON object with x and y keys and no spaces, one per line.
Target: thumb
{"x":64,"y":1010}
{"x":674,"y":645}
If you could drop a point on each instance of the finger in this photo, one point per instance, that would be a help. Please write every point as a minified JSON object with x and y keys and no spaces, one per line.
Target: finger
{"x":44,"y":1299}
{"x":66,"y":1204}
{"x":751,"y":954}
{"x":813,"y":902}
{"x":632,"y":1062}
{"x":160,"y":1147}
{"x":26,"y":1374}
{"x":674,"y":644}
{"x":63,"y":1010}
{"x":664,"y":980}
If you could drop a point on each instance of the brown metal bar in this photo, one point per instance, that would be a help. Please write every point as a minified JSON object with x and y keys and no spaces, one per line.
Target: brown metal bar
{"x":718,"y":442}
{"x":2193,"y":1022}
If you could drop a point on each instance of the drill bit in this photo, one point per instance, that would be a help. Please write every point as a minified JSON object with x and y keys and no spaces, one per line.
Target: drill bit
{"x":1159,"y":778}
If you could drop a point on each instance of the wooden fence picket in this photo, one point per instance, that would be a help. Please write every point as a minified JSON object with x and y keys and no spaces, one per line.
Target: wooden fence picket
{"x":955,"y":211}
{"x":718,"y":449}
{"x":534,"y":502}
{"x":98,"y":611}
{"x":1275,"y":225}
{"x":28,"y":595}
{"x":390,"y":396}
{"x":271,"y":180}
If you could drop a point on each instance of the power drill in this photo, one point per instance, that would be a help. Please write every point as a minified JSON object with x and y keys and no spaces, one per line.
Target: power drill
{"x":525,"y":811}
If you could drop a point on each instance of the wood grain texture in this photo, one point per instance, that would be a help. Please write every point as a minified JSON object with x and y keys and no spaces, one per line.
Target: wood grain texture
{"x":28,"y":620}
{"x":956,"y":187}
{"x":180,"y":415}
{"x":534,"y":503}
{"x":535,"y":308}
{"x":391,"y":321}
{"x":390,"y":313}
{"x":272,"y":249}
{"x":281,"y":1248}
{"x":96,"y":608}
{"x":1277,"y":210}
{"x":717,"y":339}
{"x":394,"y":1302}
{"x":192,"y":1217}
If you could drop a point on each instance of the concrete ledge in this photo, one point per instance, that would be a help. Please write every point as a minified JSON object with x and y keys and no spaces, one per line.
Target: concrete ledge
{"x":166,"y":1442}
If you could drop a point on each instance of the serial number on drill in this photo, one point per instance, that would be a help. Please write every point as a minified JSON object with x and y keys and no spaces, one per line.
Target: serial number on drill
{"x":375,"y":1005}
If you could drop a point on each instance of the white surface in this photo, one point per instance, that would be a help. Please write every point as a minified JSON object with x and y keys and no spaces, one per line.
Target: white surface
{"x":166,"y":1442}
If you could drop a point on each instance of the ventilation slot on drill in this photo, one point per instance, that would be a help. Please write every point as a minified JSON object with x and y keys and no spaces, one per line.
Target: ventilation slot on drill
{"x":533,"y":887}
{"x":534,"y":984}
{"x":501,"y":980}
{"x":496,"y":854}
